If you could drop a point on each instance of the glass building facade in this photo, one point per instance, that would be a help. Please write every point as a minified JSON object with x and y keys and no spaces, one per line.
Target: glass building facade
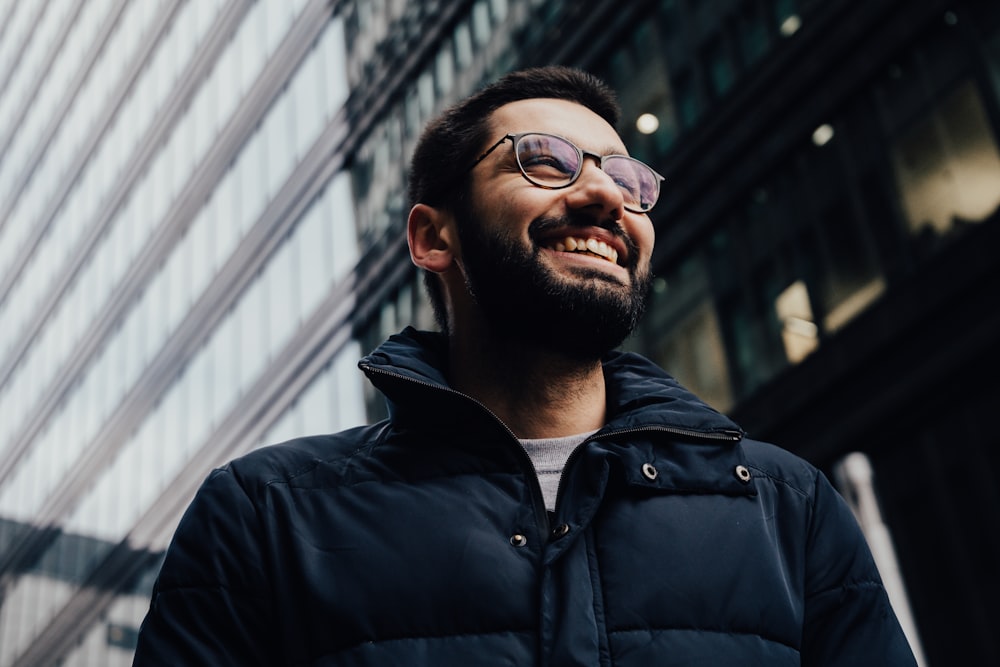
{"x":202,"y":207}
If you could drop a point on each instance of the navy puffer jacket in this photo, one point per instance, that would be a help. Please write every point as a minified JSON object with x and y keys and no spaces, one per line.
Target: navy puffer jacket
{"x":424,"y":540}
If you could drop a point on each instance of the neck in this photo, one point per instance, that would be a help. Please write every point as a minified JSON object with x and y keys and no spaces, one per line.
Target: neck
{"x":537,"y":393}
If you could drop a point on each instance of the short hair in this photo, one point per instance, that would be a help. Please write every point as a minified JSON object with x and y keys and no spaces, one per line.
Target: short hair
{"x":449,"y":144}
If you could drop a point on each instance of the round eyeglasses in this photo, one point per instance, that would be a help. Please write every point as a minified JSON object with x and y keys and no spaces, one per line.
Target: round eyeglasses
{"x":554,"y":162}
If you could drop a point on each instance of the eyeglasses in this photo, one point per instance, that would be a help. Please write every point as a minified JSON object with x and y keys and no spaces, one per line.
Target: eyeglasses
{"x":553,"y":162}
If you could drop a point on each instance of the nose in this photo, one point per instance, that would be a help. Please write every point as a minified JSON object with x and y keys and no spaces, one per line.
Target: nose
{"x":596,"y":191}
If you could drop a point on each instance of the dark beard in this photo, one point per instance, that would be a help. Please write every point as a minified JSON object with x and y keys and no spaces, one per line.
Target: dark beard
{"x":524,"y":302}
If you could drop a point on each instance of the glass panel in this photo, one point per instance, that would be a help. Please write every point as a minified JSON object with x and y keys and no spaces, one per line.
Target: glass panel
{"x":463,"y":45}
{"x":279,"y":279}
{"x":250,"y":313}
{"x":344,"y":252}
{"x":481,"y":28}
{"x":649,"y":119}
{"x":177,"y":270}
{"x":688,"y":106}
{"x":307,"y":92}
{"x":992,"y":52}
{"x":720,"y":67}
{"x":316,"y":404}
{"x":223,"y":350}
{"x":250,"y":38}
{"x":445,"y":69}
{"x":681,"y":332}
{"x":278,"y":145}
{"x":225,"y":210}
{"x":350,"y":387}
{"x":799,"y":332}
{"x":314,"y":266}
{"x":251,"y":172}
{"x":947,"y":167}
{"x":202,"y":239}
{"x":335,"y":66}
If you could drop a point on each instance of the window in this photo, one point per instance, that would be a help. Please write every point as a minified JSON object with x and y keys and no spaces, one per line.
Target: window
{"x":692,"y":351}
{"x":281,"y":282}
{"x":463,"y":45}
{"x":481,"y":28}
{"x":681,"y":332}
{"x":688,"y":107}
{"x":721,"y":74}
{"x":947,"y":166}
{"x":445,"y":69}
{"x":753,"y":33}
{"x":314,"y":268}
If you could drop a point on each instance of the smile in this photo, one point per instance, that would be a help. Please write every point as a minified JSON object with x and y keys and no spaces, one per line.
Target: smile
{"x":589,"y":246}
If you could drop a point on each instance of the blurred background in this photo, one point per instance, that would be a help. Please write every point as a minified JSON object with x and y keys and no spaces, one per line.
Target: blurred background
{"x":202,"y":205}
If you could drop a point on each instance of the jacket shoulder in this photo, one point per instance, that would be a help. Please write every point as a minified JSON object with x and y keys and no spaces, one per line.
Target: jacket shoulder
{"x":286,"y":461}
{"x":781,"y":466}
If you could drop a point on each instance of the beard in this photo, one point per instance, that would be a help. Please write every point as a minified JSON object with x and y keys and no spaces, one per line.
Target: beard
{"x":581,"y":317}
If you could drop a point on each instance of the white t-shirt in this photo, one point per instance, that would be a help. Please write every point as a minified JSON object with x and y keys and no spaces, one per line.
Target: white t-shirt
{"x":549,"y":456}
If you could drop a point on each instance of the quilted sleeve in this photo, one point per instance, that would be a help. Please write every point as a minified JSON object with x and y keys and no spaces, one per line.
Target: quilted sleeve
{"x":848,"y":617}
{"x":210,"y":603}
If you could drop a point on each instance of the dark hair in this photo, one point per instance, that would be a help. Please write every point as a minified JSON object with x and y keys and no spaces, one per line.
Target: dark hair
{"x":448,"y":146}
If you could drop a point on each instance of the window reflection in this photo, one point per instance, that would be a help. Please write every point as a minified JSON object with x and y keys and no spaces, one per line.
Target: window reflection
{"x":947,"y":166}
{"x":799,"y":332}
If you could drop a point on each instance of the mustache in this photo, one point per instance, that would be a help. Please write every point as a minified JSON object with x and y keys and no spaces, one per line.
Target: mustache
{"x":546,"y":223}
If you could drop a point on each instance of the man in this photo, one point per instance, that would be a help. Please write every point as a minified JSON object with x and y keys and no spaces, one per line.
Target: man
{"x":534,"y":498}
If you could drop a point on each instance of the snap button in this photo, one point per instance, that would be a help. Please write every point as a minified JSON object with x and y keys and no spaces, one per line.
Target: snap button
{"x":560,"y":530}
{"x":649,"y":471}
{"x":518,"y":540}
{"x":742,"y":474}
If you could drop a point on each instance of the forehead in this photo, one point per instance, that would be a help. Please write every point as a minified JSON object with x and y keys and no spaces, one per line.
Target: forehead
{"x":568,"y":119}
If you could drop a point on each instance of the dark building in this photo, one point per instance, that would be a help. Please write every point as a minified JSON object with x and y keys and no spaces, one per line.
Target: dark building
{"x":198,"y":240}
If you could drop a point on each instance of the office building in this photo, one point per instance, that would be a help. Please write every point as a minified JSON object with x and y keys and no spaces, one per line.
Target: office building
{"x":201,"y":215}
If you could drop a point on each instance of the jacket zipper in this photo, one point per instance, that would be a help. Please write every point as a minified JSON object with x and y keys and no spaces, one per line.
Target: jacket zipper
{"x":728,"y":436}
{"x":539,"y":500}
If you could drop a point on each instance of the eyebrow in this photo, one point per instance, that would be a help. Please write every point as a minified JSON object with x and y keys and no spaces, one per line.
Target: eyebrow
{"x":609,"y":151}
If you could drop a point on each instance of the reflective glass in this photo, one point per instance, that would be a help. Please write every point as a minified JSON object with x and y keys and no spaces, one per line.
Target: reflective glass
{"x":551,"y":161}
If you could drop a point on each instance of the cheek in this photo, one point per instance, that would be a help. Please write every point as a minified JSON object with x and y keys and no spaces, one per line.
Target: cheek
{"x":510,"y":211}
{"x":496,"y":202}
{"x":643,"y":235}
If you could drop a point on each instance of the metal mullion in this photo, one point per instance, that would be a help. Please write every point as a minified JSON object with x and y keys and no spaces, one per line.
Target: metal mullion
{"x":40,"y":10}
{"x":68,"y":22}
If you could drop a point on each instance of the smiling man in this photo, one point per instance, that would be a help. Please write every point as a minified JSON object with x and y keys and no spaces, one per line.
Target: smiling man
{"x":535,"y":497}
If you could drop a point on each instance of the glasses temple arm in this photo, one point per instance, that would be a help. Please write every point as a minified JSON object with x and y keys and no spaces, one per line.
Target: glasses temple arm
{"x":491,"y":149}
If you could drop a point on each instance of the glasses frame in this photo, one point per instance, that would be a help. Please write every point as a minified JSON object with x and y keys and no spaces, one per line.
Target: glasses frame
{"x":514,"y":138}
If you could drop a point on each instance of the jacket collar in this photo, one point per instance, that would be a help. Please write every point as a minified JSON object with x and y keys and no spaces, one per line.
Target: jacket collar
{"x":409,"y":369}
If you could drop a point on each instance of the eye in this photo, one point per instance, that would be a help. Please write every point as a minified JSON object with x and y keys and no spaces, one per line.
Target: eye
{"x":627,"y":182}
{"x":540,"y":160}
{"x":627,"y":185}
{"x":547,"y":159}
{"x":633,"y":178}
{"x":545,"y":162}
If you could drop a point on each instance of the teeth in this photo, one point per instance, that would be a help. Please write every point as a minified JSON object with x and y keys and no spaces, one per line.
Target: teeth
{"x":591,"y":245}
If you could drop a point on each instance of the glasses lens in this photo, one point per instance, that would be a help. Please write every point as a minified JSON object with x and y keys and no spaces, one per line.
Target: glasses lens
{"x":547,"y":160}
{"x":639,"y":184}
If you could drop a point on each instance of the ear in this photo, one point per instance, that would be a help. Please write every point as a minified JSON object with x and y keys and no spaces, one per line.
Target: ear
{"x":432,"y":237}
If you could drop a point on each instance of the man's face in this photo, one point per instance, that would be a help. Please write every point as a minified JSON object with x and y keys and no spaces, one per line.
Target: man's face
{"x":517,"y":240}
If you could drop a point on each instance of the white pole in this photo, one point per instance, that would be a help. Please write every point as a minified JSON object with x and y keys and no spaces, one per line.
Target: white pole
{"x":855,"y":479}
